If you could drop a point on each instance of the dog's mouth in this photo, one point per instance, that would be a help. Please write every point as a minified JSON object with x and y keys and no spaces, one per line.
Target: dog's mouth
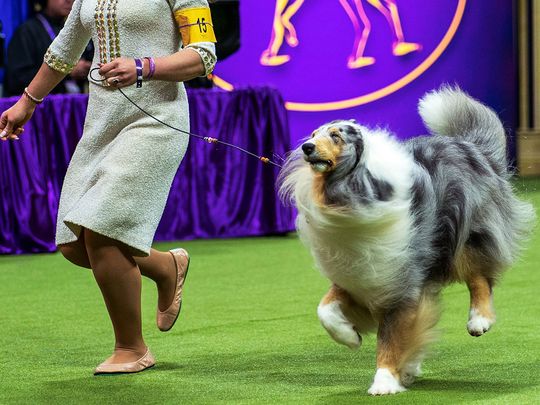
{"x":319,"y":165}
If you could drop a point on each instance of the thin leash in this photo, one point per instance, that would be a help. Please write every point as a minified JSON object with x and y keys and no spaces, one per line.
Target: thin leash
{"x":207,"y":139}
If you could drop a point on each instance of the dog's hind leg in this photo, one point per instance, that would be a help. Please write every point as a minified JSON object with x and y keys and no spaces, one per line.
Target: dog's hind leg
{"x":342,"y":318}
{"x":402,"y":338}
{"x":479,"y":275}
{"x":481,"y":314}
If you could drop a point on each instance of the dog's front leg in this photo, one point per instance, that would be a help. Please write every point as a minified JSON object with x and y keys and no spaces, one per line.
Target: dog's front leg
{"x":331,"y":312}
{"x":391,"y":342}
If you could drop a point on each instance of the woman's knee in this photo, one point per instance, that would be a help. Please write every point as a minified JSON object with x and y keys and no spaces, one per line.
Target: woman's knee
{"x":102,"y":248}
{"x":76,"y":254}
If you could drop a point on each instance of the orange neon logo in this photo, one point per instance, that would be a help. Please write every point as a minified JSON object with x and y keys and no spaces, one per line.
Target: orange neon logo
{"x":284,"y":31}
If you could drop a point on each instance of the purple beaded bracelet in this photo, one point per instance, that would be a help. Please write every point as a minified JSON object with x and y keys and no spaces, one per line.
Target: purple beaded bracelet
{"x":139,"y":67}
{"x":151,"y":66}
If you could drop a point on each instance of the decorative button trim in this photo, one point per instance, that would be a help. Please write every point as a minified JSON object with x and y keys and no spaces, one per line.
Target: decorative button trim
{"x":57,"y":64}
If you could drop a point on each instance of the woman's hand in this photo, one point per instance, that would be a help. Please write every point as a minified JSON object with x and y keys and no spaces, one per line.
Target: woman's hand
{"x":121,"y":72}
{"x":13,"y":119}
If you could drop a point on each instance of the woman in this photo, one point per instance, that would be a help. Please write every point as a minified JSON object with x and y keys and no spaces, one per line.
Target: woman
{"x":119,"y":178}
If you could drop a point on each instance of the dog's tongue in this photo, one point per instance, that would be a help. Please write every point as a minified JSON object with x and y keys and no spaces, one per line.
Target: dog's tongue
{"x":320,"y":167}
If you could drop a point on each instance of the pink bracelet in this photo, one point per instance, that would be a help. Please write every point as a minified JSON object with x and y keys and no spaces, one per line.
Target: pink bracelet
{"x":151,"y":66}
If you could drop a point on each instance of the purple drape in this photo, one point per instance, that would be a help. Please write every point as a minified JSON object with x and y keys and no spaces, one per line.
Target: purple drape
{"x":217,"y":192}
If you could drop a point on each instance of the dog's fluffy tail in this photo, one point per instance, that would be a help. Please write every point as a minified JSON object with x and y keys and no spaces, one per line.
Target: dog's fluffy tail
{"x":451,"y":112}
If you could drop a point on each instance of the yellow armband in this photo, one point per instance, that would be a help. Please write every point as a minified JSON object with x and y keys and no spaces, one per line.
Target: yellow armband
{"x":195,"y":25}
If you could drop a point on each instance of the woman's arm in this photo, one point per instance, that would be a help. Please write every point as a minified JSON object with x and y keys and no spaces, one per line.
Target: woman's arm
{"x":45,"y":81}
{"x":178,"y":67}
{"x":13,"y":119}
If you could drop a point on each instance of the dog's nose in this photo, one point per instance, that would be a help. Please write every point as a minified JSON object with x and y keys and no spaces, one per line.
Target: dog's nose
{"x":308,"y":148}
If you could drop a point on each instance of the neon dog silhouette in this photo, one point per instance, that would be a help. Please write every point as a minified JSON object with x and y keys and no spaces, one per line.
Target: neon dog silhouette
{"x":283,"y":29}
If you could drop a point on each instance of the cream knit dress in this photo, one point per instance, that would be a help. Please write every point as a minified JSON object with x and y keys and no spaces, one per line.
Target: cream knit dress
{"x":121,"y":172}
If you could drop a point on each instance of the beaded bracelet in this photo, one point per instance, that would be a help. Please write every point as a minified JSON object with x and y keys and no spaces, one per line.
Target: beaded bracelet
{"x":139,"y":67}
{"x":31,"y":97}
{"x":151,"y":67}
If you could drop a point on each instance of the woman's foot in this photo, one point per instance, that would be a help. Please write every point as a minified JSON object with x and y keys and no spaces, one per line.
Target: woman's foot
{"x":167,"y":286}
{"x":166,"y":318}
{"x":122,"y":355}
{"x":126,"y":361}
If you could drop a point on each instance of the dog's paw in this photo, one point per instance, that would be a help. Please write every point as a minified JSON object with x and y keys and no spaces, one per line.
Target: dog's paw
{"x":409,"y":373}
{"x":385,"y":383}
{"x":478,"y":324}
{"x":338,"y":326}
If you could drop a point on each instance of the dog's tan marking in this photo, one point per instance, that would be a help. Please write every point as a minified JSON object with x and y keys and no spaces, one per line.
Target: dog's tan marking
{"x":481,"y":296}
{"x":471,"y":269}
{"x":336,"y":294}
{"x":465,"y":264}
{"x":334,"y":131}
{"x":325,"y":149}
{"x":318,"y":190}
{"x":404,"y":334}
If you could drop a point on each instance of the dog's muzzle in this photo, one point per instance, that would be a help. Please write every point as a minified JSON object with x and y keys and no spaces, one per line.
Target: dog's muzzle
{"x":311,"y":156}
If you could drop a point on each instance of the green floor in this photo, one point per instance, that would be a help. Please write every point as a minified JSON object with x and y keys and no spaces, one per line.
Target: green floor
{"x":249,"y":333}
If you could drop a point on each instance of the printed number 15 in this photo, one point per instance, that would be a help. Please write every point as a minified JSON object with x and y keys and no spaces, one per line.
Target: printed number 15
{"x":202,"y":25}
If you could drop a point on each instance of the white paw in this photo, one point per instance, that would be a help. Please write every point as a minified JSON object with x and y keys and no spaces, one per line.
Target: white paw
{"x":385,"y":383}
{"x":409,"y":373}
{"x":337,"y":326}
{"x":478,"y":324}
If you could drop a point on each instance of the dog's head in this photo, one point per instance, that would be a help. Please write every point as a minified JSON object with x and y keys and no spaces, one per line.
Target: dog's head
{"x":336,"y":147}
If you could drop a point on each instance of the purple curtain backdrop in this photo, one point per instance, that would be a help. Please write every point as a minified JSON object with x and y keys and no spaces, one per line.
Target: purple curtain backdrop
{"x":218,"y":192}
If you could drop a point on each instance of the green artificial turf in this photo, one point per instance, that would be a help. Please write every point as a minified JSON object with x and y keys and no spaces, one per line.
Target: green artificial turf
{"x":248,"y":333}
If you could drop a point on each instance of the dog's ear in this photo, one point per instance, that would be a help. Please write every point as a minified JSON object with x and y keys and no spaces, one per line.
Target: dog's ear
{"x":353,"y":121}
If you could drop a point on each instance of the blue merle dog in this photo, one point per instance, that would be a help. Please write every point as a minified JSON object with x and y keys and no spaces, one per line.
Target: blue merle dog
{"x":391,"y":223}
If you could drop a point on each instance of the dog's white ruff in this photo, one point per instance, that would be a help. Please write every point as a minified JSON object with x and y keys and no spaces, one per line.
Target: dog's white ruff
{"x":385,"y":383}
{"x":338,"y":326}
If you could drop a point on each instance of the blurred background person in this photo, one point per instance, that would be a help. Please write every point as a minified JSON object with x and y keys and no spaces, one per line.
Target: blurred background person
{"x":30,"y":42}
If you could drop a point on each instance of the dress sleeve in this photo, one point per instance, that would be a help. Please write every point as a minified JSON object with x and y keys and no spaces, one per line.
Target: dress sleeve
{"x":68,"y":46}
{"x":195,"y":24}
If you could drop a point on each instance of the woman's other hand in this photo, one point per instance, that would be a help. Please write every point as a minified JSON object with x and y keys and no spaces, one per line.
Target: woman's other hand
{"x":13,"y":119}
{"x":121,"y":72}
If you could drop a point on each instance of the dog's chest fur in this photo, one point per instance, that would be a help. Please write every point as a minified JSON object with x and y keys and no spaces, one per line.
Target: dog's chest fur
{"x":367,"y":261}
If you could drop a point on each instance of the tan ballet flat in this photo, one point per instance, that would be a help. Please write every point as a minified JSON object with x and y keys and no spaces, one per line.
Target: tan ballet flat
{"x":167,"y":318}
{"x":143,"y":363}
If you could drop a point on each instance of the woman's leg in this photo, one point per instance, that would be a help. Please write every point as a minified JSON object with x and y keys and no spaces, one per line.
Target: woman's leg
{"x":158,"y":266}
{"x":119,"y":279}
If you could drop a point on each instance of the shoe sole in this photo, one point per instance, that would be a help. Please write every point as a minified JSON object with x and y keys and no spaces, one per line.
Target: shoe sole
{"x":125,"y":372}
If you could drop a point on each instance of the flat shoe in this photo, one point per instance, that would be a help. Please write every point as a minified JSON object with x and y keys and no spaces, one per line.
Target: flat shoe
{"x":143,"y":363}
{"x":167,"y":318}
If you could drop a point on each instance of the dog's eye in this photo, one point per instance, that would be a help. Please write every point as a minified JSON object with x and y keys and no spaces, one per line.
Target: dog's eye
{"x":336,"y":138}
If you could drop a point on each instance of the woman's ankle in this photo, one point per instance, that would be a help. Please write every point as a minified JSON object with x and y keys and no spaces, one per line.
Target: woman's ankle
{"x":139,"y":349}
